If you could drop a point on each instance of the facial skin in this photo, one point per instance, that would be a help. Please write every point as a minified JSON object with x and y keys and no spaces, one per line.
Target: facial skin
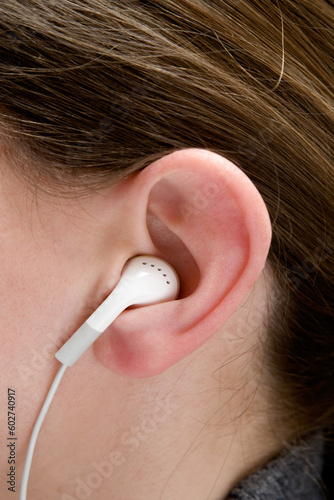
{"x":170,"y":402}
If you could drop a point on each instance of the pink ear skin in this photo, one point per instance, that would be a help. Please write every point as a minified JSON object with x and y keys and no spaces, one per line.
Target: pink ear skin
{"x":205,"y":217}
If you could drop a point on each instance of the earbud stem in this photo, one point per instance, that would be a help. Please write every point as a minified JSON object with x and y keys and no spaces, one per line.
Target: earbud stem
{"x":86,"y":335}
{"x":77,"y":344}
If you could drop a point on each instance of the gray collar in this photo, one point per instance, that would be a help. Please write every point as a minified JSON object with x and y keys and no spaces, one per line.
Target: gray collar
{"x":294,"y":475}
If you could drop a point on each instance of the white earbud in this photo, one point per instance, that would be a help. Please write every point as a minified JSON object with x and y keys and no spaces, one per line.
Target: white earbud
{"x":145,"y":280}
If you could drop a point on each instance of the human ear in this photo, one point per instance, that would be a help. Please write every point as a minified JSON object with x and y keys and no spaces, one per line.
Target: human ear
{"x":205,"y":217}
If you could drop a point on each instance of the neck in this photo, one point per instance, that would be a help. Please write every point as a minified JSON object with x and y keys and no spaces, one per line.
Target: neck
{"x":180,"y":435}
{"x":194,"y":431}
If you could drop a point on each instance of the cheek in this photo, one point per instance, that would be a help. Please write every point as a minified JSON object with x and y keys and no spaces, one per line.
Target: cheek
{"x":33,"y":296}
{"x":37,"y":267}
{"x":43,"y":292}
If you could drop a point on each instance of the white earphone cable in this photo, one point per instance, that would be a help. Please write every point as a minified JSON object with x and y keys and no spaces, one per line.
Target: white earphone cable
{"x":34,"y":435}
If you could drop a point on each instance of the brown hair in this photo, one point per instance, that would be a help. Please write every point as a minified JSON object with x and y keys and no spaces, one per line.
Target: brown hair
{"x":91,"y":91}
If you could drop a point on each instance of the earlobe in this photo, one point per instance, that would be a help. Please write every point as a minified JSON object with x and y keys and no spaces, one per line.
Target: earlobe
{"x":207,"y":219}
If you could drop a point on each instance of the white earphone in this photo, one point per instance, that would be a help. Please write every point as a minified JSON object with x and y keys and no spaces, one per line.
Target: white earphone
{"x":145,"y":280}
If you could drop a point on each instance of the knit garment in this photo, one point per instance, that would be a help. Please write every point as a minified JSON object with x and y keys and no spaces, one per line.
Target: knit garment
{"x":294,"y":475}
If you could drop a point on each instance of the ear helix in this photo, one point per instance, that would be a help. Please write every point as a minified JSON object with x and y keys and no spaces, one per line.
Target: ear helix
{"x":145,"y":280}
